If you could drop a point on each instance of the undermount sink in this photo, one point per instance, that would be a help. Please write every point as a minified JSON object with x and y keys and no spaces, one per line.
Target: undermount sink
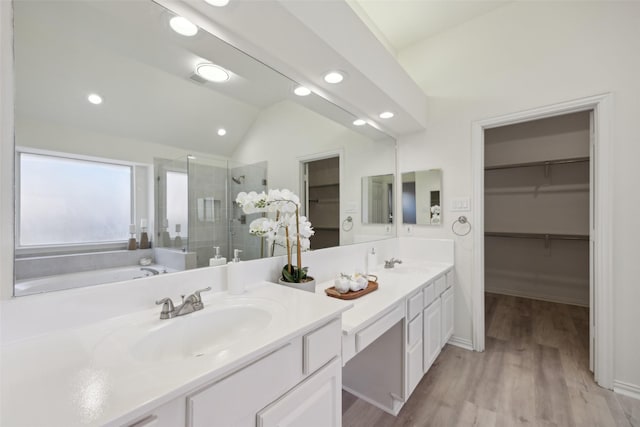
{"x":205,"y":332}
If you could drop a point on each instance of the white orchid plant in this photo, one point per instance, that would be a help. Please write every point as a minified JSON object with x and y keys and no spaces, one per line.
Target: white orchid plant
{"x":287,"y":229}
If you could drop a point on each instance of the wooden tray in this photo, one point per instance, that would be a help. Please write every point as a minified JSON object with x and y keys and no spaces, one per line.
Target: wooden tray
{"x":372,"y":286}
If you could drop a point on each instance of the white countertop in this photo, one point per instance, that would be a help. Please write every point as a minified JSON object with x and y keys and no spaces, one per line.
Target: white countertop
{"x":393,"y":286}
{"x":87,"y":377}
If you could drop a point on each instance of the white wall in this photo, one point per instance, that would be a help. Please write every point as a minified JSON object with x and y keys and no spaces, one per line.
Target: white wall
{"x":286,"y":133}
{"x":526,"y":55}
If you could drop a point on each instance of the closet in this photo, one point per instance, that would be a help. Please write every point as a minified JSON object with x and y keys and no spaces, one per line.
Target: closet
{"x":322,"y":182}
{"x":537,"y":204}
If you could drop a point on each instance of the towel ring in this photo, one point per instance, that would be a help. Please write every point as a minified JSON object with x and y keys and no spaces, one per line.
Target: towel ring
{"x":462,"y":220}
{"x":347,"y":224}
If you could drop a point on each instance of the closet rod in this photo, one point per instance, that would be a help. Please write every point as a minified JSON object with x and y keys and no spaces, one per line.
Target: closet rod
{"x":541,"y":163}
{"x":541,"y":236}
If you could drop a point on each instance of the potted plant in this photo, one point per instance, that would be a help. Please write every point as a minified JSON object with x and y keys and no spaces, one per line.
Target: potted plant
{"x":286,"y":228}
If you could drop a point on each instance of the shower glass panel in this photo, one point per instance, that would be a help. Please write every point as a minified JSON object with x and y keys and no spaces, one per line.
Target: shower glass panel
{"x":246,"y":178}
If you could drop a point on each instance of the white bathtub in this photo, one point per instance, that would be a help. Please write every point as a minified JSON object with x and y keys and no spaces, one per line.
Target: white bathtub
{"x":85,"y":278}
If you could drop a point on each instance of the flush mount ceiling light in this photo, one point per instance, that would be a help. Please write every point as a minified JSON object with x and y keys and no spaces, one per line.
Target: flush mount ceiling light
{"x":95,"y":99}
{"x":359,"y":122}
{"x":183,"y":26}
{"x":386,"y":115}
{"x":301,"y":91}
{"x":211,"y":72}
{"x":334,"y":77}
{"x":222,"y":131}
{"x":217,"y":3}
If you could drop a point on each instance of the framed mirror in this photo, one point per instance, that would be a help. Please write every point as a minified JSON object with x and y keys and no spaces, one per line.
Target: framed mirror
{"x":377,"y":199}
{"x":422,"y":197}
{"x":125,"y":128}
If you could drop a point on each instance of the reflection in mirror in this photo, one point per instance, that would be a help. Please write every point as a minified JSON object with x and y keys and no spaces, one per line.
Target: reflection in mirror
{"x":377,"y":199}
{"x":147,"y":146}
{"x":421,"y":197}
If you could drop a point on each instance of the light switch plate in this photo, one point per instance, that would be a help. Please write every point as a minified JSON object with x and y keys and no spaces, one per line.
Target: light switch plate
{"x":351,"y":207}
{"x":460,"y":204}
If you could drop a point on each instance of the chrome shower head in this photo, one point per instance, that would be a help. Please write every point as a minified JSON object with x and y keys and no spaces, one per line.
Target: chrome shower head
{"x":238,"y":179}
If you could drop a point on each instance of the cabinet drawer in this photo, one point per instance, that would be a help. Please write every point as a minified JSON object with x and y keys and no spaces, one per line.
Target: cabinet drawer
{"x":321,"y":345}
{"x":450,"y":278}
{"x":441,"y":285}
{"x":429,"y":294}
{"x":414,"y":306}
{"x":414,"y":331}
{"x":379,"y":327}
{"x":170,"y":414}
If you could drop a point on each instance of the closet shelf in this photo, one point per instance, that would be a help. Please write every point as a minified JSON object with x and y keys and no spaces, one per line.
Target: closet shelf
{"x":335,"y":184}
{"x":539,"y":236}
{"x":324,"y":200}
{"x":545,"y":163}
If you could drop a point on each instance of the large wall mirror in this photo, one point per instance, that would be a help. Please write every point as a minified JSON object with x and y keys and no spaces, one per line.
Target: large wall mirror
{"x":128,"y":160}
{"x":422,"y":197}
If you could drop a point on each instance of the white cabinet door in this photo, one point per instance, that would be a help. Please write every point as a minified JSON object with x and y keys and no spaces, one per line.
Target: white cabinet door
{"x":235,"y":400}
{"x":447,"y":316}
{"x":414,"y":354}
{"x":316,"y":402}
{"x":431,"y":330}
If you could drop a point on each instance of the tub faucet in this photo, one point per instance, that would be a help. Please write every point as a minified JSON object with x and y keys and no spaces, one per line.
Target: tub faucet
{"x":150,"y":270}
{"x":391,"y":263}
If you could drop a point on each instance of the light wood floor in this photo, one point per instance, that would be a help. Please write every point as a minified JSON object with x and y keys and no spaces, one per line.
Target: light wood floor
{"x":534,"y":372}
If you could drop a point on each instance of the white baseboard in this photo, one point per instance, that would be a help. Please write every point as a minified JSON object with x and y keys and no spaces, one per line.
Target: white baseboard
{"x":626,"y":389}
{"x":547,"y":298}
{"x":461,"y":342}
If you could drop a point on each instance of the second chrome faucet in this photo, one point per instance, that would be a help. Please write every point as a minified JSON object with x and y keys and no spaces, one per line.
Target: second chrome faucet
{"x":189,"y":304}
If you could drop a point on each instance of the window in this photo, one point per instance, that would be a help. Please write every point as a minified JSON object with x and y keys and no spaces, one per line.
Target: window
{"x":67,"y":201}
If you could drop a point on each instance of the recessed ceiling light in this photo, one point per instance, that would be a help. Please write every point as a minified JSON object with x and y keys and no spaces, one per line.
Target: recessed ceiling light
{"x":222,"y":131}
{"x":211,"y":72}
{"x":183,"y":26}
{"x":359,"y":122}
{"x":334,"y":77}
{"x":301,"y":91}
{"x":386,"y":115}
{"x":217,"y":3}
{"x":95,"y":99}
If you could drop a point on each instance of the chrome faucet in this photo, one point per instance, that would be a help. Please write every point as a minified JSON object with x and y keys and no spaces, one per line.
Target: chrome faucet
{"x":189,"y":304}
{"x":150,"y":270}
{"x":391,"y":263}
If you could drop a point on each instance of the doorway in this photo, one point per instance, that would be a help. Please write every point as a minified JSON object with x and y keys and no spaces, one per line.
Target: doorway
{"x":321,"y":200}
{"x":600,"y":244}
{"x":536,"y":241}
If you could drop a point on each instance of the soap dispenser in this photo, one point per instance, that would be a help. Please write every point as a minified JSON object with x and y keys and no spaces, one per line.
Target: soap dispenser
{"x":372,"y":260}
{"x":235,"y":284}
{"x":217,"y":259}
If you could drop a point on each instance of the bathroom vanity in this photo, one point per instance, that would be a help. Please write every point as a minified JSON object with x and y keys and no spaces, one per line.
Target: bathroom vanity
{"x":271,"y":356}
{"x":392,"y":336}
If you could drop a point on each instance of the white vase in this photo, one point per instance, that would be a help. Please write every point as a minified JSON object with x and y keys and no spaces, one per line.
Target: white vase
{"x":309,"y":286}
